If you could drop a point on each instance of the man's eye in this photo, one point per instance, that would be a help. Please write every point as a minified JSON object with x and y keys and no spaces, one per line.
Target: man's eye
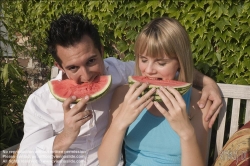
{"x":91,"y":61}
{"x":73,"y":68}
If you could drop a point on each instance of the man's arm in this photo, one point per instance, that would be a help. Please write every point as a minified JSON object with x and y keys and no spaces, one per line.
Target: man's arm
{"x":38,"y":136}
{"x":74,"y":118}
{"x":210,"y":91}
{"x":40,"y":146}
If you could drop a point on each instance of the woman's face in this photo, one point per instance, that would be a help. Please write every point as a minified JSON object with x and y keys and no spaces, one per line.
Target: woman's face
{"x":163,"y":68}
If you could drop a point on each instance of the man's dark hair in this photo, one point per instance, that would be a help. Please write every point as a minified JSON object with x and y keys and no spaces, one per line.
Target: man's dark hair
{"x":68,"y":30}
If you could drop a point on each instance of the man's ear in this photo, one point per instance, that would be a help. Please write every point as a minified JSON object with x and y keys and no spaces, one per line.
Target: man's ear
{"x":102,"y":51}
{"x":58,"y":66}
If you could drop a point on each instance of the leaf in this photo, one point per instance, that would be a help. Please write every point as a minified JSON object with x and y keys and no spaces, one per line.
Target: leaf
{"x":220,"y":77}
{"x":247,"y":50}
{"x":236,"y":36}
{"x":153,"y":4}
{"x":240,"y":81}
{"x":218,"y":55}
{"x":219,"y":12}
{"x":190,"y":5}
{"x":5,"y":75}
{"x":230,"y":61}
{"x":214,"y":9}
{"x":221,"y":24}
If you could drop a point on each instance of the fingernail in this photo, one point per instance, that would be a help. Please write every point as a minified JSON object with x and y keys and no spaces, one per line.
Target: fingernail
{"x":201,"y":105}
{"x":73,"y":97}
{"x":86,"y":97}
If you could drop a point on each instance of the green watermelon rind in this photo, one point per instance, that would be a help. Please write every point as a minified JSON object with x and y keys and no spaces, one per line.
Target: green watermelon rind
{"x":92,"y":97}
{"x":181,"y":89}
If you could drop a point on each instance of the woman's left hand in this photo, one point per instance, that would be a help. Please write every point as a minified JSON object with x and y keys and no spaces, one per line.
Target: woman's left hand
{"x":176,"y":111}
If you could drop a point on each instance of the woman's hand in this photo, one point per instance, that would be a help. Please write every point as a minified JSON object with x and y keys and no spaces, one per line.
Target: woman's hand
{"x":132,"y":105}
{"x":176,"y":111}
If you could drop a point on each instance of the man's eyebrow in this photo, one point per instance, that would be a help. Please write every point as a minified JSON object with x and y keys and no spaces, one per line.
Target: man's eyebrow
{"x":92,"y":56}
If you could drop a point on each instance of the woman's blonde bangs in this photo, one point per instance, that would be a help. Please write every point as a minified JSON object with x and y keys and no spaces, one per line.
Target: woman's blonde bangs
{"x":166,"y":36}
{"x":153,"y":44}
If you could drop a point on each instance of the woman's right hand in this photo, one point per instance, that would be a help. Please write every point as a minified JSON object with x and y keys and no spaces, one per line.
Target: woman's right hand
{"x":175,"y":113}
{"x":133,"y":105}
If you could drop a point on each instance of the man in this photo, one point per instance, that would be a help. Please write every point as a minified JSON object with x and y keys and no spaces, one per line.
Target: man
{"x":67,"y":134}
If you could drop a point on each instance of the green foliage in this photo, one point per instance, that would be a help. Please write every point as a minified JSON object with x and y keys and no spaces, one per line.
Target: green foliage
{"x":12,"y":102}
{"x":219,"y":30}
{"x":13,"y":92}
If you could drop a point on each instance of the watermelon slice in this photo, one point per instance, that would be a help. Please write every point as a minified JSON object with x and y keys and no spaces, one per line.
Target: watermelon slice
{"x":182,"y":87}
{"x":64,"y":89}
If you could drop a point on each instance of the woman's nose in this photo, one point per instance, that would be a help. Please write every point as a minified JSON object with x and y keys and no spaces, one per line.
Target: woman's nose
{"x":150,"y":69}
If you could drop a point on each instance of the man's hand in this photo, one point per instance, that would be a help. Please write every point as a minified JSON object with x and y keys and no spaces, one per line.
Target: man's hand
{"x":211,"y":92}
{"x":75,"y":117}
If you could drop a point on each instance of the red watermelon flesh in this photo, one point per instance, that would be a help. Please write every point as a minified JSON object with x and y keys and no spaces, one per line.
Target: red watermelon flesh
{"x":182,"y":87}
{"x":156,"y":82}
{"x":64,"y":89}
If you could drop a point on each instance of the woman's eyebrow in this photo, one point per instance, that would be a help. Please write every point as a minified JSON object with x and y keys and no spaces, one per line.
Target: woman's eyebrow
{"x":163,"y":59}
{"x":141,"y":56}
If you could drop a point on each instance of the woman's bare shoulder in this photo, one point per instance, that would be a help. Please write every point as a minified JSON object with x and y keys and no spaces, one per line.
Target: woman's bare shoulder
{"x":120,"y":92}
{"x":121,"y":89}
{"x":196,"y":95}
{"x":194,"y":107}
{"x":118,"y":96}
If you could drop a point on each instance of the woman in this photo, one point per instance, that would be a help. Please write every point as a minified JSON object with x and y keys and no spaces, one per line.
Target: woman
{"x":171,"y":132}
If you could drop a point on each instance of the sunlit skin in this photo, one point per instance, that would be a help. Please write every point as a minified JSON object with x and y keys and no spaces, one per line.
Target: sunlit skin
{"x":163,"y":68}
{"x":81,"y":62}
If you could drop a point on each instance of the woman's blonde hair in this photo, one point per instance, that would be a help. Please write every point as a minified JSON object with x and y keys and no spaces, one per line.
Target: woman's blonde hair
{"x":166,"y":36}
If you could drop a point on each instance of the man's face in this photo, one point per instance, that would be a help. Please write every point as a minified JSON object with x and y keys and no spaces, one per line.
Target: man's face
{"x":81,"y":62}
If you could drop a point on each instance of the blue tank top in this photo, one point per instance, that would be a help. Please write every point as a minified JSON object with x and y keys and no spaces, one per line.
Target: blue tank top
{"x":150,"y":140}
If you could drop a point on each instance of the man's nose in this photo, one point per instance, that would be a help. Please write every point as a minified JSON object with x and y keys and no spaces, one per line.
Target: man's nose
{"x":85,"y":75}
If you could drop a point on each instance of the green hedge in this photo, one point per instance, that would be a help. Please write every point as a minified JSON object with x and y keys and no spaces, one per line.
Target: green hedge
{"x":13,"y":91}
{"x":219,"y":30}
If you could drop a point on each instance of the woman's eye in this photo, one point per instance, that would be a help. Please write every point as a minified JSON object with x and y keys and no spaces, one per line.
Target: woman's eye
{"x":143,"y":60}
{"x":162,"y":63}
